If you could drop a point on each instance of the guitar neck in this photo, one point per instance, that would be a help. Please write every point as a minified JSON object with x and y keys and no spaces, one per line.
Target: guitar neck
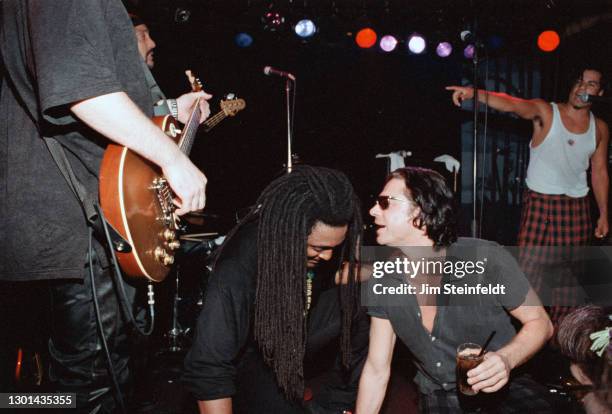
{"x":191,"y":127}
{"x":211,"y":122}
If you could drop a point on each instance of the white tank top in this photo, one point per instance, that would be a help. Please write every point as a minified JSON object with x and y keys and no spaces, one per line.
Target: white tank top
{"x":559,"y":164}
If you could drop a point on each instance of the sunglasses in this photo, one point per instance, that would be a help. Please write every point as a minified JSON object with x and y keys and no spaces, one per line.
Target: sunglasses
{"x":383,"y":201}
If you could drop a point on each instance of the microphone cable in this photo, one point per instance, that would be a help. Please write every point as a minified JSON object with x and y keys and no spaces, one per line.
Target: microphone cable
{"x":94,"y":293}
{"x":123,"y":301}
{"x":118,"y":276}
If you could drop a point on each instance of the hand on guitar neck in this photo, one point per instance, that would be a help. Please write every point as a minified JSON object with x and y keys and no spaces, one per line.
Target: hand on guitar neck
{"x":186,"y":102}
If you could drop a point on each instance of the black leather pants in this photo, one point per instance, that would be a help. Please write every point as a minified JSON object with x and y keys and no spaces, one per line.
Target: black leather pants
{"x":78,"y":362}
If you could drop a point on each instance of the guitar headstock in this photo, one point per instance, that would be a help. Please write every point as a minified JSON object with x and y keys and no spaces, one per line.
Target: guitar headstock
{"x":196,"y":85}
{"x":232,"y":105}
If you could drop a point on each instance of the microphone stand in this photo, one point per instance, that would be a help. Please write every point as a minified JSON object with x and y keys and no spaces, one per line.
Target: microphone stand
{"x":475,"y":227}
{"x":289,"y":129}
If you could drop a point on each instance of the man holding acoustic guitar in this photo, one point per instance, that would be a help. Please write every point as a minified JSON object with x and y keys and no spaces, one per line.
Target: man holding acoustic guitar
{"x":74,"y":82}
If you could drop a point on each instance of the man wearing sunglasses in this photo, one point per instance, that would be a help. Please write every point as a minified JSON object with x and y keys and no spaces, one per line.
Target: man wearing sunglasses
{"x":414,"y":214}
{"x":271,"y":313}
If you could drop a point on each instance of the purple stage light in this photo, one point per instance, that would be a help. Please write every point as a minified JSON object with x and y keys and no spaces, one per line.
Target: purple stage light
{"x":444,"y":49}
{"x":388,"y":43}
{"x":469,"y":51}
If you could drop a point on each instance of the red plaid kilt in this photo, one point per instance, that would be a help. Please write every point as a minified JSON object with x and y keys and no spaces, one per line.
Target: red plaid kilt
{"x":550,"y":222}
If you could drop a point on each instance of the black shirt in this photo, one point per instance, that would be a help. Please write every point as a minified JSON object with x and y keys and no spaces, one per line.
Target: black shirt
{"x":223,"y":347}
{"x":458,"y":319}
{"x":56,"y":53}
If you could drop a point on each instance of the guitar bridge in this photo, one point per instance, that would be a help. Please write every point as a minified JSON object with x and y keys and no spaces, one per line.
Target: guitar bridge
{"x":164,"y":198}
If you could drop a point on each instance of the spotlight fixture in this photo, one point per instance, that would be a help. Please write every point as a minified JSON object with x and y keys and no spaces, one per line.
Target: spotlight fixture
{"x":495,"y":42}
{"x":366,"y":38}
{"x":182,"y":15}
{"x":548,"y":40}
{"x":388,"y":43}
{"x":444,"y":49}
{"x":416,"y":44}
{"x":273,"y":20}
{"x":305,"y":28}
{"x":469,"y":51}
{"x":243,"y":40}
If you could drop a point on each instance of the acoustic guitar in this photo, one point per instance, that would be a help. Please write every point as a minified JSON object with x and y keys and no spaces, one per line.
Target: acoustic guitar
{"x":138,"y":201}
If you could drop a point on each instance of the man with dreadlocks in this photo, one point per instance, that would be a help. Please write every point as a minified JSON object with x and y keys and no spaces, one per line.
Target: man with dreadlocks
{"x":268,"y":313}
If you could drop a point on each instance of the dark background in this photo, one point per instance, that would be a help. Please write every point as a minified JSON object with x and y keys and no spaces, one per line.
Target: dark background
{"x":354,"y":103}
{"x":351,"y":104}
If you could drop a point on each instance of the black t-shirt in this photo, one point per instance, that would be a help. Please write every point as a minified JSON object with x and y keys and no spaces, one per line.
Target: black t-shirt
{"x":223,"y":346}
{"x":56,"y":53}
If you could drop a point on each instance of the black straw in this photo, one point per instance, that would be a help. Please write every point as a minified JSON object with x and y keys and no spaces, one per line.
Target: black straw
{"x":484,"y":347}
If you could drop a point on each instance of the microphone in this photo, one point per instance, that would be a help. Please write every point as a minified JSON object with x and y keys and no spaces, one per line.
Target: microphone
{"x":586,"y":98}
{"x":270,"y":71}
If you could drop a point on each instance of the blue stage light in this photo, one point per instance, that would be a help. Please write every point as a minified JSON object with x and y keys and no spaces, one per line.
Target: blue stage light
{"x":305,"y":28}
{"x":243,"y":39}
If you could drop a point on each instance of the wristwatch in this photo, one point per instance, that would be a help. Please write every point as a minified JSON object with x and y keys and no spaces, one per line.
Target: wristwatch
{"x":173,"y":108}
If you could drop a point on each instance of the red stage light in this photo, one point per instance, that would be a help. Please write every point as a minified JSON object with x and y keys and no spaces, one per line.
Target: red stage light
{"x":366,"y":38}
{"x":548,"y":40}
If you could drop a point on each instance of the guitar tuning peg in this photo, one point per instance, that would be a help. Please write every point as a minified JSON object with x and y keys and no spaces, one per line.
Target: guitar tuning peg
{"x":229,"y":96}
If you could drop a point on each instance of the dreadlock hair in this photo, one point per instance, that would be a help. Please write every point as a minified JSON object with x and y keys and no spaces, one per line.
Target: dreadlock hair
{"x":429,"y":191}
{"x":288,"y":209}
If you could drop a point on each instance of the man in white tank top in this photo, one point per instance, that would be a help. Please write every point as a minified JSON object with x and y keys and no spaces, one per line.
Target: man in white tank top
{"x":562,"y":133}
{"x":566,"y":139}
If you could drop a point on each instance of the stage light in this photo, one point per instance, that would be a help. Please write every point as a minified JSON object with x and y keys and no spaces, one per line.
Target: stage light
{"x":469,"y":51}
{"x":495,"y":42}
{"x":444,"y":49}
{"x":272,"y":20}
{"x":305,"y":28}
{"x":388,"y":43}
{"x":366,"y":38}
{"x":416,"y":44}
{"x":548,"y":40}
{"x":182,"y":15}
{"x":243,"y":39}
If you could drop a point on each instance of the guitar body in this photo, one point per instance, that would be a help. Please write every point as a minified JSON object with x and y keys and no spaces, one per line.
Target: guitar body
{"x":138,"y":202}
{"x":134,"y":198}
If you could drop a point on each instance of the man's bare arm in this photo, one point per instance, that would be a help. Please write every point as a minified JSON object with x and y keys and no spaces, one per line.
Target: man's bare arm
{"x":377,"y":368}
{"x":492,"y":374}
{"x":118,"y":118}
{"x":600,"y":179}
{"x":220,"y":406}
{"x":530,"y":109}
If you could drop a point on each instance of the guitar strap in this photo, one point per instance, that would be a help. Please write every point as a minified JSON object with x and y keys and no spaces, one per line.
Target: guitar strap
{"x":87,"y":200}
{"x":161,"y":105}
{"x":85,"y":197}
